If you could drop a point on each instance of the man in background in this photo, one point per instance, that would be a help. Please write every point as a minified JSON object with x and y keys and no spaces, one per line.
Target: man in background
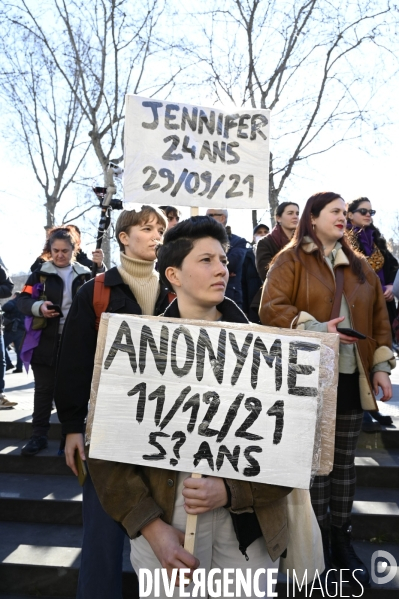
{"x":14,"y":331}
{"x":172,"y":214}
{"x":251,"y":281}
{"x":235,"y":256}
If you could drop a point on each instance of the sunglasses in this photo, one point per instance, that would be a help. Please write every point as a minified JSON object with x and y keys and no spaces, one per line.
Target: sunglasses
{"x":364,"y":211}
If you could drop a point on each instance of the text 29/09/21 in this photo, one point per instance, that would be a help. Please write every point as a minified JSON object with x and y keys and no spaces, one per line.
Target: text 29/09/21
{"x":192,"y":182}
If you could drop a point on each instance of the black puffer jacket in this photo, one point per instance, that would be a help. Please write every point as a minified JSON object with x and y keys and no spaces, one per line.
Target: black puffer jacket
{"x":45,"y":352}
{"x":78,"y":347}
{"x":6,"y":285}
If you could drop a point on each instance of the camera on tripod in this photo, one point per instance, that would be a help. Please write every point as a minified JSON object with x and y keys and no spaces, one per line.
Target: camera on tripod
{"x":101,"y":192}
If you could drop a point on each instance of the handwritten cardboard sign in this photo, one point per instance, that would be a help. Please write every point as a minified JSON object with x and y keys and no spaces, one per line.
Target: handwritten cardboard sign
{"x":195,"y":156}
{"x":215,"y":399}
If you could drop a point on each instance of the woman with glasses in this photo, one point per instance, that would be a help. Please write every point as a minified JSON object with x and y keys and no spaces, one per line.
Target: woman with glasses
{"x":367,"y":239}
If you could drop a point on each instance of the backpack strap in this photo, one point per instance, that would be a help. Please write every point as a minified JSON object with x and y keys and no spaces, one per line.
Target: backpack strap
{"x":171,"y":296}
{"x":101,"y":297}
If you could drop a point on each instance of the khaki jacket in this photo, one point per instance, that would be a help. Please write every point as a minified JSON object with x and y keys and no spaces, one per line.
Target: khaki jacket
{"x":137,"y":495}
{"x":302,"y":288}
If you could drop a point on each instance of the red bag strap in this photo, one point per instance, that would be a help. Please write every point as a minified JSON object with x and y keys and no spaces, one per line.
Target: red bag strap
{"x":339,"y":288}
{"x":101,"y":297}
{"x":171,"y":296}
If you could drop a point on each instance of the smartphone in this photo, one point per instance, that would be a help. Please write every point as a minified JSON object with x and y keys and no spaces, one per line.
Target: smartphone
{"x":81,"y":467}
{"x":351,"y":333}
{"x":57,"y":308}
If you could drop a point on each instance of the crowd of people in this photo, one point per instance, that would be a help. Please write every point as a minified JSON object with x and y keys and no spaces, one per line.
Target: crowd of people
{"x":326,"y":269}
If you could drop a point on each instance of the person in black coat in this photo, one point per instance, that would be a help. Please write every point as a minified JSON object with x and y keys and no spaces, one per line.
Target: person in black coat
{"x":134,"y":289}
{"x":14,"y":330}
{"x":55,"y":283}
{"x":251,"y":281}
{"x":235,"y":255}
{"x":6,"y":287}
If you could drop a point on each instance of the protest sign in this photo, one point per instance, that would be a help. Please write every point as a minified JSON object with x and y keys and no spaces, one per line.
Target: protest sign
{"x":236,"y":401}
{"x":195,"y":156}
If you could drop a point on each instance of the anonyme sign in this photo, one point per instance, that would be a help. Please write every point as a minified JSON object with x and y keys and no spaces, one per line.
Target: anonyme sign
{"x":195,"y":156}
{"x":217,"y":400}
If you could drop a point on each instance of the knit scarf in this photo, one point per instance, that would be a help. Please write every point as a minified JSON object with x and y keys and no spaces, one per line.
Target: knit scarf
{"x":143,"y":281}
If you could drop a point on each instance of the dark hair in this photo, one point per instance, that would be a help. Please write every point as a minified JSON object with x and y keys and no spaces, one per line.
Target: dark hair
{"x":170,"y":210}
{"x":179,"y":241}
{"x":281,"y":207}
{"x":63,"y":234}
{"x":314,"y":206}
{"x":131,"y":218}
{"x":352,"y":206}
{"x":379,"y":240}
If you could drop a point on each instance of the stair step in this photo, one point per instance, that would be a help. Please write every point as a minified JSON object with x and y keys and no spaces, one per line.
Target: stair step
{"x":388,"y":436}
{"x":377,"y":468}
{"x":45,"y":462}
{"x":44,"y":559}
{"x":30,"y":597}
{"x":375,"y":514}
{"x":40,"y":498}
{"x":17,"y":424}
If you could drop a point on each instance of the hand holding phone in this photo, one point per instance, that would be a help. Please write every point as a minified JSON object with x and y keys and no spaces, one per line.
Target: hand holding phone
{"x":56,"y":308}
{"x":351,"y":333}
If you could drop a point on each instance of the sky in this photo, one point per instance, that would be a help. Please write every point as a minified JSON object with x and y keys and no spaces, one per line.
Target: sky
{"x":345,"y":169}
{"x":367,"y":167}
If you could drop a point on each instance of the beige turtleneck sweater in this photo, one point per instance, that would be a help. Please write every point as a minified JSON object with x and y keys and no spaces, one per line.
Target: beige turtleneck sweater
{"x":143,"y":281}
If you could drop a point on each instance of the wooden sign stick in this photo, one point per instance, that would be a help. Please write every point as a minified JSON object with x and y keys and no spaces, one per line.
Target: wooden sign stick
{"x":191,"y":526}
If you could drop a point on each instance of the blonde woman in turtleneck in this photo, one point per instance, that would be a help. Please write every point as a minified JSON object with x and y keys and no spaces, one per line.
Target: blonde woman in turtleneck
{"x":135,"y":289}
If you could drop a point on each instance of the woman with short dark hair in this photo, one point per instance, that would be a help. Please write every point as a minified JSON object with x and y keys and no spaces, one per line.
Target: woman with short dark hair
{"x":302,"y":291}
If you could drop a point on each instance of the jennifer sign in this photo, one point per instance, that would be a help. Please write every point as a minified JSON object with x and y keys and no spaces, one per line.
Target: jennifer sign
{"x":195,"y":156}
{"x":210,"y":399}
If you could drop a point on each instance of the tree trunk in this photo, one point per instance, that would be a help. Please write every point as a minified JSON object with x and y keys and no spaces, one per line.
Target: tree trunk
{"x":50,"y":210}
{"x":273,"y":192}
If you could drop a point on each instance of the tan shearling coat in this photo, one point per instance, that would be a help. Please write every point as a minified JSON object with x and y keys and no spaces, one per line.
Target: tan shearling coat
{"x":301,"y":288}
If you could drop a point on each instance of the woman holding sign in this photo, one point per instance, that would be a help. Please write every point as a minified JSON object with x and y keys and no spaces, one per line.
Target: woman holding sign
{"x":318,"y":283}
{"x":238,"y":520}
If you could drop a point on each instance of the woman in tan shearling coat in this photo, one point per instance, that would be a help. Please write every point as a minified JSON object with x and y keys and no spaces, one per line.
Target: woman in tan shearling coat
{"x":299,"y":292}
